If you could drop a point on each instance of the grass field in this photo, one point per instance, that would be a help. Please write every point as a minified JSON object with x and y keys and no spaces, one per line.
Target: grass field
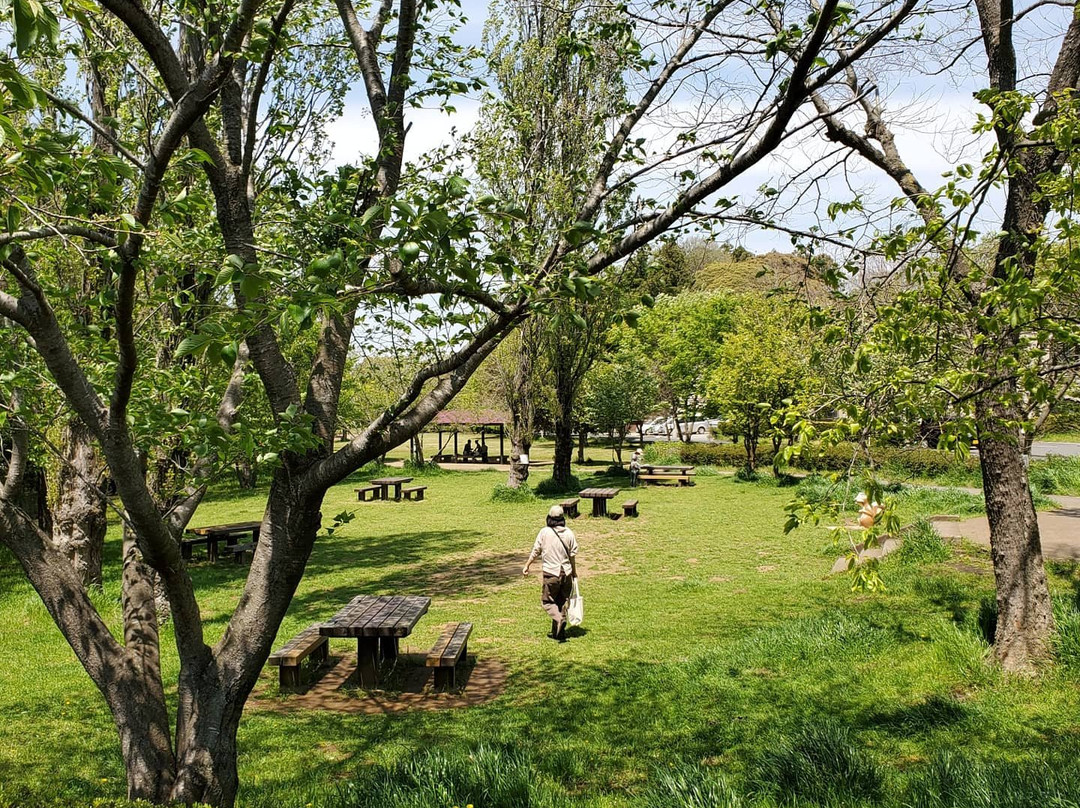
{"x":720,"y":665}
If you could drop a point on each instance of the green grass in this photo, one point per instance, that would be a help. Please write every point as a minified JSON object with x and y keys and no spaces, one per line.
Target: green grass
{"x":720,"y":666}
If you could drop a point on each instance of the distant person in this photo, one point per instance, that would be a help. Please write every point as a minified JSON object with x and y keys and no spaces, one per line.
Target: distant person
{"x":635,"y":467}
{"x":467,"y":453}
{"x":557,"y":548}
{"x":481,"y":452}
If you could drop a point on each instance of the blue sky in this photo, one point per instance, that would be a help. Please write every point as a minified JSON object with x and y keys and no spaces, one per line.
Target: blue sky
{"x":932,"y":117}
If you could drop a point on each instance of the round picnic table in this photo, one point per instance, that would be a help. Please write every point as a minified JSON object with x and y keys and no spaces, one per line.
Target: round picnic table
{"x":599,"y":497}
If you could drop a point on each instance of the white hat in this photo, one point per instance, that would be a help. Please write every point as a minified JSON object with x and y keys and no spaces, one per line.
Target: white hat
{"x":861,"y":498}
{"x":556,"y":512}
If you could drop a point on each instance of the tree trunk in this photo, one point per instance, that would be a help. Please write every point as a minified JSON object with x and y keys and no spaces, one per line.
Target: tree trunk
{"x":417,"y":448}
{"x":750,"y":445}
{"x":1025,"y":618}
{"x":140,"y":713}
{"x":207,"y":722}
{"x":212,"y":690}
{"x":520,"y":444}
{"x":564,"y":451}
{"x":583,"y":441}
{"x":80,"y":519}
{"x":246,"y":473}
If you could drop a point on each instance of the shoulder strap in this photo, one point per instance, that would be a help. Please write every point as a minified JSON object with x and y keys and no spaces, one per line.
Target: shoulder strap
{"x":558,"y":536}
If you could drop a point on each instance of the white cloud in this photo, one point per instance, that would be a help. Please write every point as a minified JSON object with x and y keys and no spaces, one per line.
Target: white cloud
{"x":353,"y":134}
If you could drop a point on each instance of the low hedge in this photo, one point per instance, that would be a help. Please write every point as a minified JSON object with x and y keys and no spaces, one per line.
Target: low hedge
{"x":916,"y":462}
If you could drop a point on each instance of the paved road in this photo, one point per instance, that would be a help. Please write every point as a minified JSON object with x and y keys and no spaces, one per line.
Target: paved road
{"x":1041,"y":448}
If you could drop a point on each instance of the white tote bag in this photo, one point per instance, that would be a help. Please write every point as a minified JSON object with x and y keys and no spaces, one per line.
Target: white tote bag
{"x":575,"y":610}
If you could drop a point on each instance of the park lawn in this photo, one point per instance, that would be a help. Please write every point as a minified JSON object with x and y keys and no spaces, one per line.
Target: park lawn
{"x":719,"y":659}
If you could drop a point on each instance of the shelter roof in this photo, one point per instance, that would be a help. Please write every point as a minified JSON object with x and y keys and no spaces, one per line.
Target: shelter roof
{"x":451,"y":418}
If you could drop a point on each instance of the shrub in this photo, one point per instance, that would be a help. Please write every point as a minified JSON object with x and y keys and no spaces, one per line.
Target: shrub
{"x":820,"y":763}
{"x":1055,"y":475}
{"x":720,"y":454}
{"x":504,"y":493}
{"x":688,"y":785}
{"x":1067,"y":638}
{"x":922,"y":544}
{"x":491,"y":777}
{"x":550,"y":488}
{"x":954,"y":780}
{"x":428,"y":469}
{"x":662,"y":454}
{"x":745,"y":474}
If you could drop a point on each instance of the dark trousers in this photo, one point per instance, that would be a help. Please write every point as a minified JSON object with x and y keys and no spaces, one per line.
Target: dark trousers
{"x":556,"y":591}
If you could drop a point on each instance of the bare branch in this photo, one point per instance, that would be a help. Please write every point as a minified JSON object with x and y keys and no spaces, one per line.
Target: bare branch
{"x":103,"y":131}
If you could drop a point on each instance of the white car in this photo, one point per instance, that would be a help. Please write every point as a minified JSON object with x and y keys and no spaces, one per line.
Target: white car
{"x":658,"y":426}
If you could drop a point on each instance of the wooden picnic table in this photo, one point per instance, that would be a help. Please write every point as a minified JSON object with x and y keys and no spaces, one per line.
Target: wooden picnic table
{"x":653,"y":473}
{"x":599,"y":497}
{"x":385,"y":482}
{"x":210,"y":535}
{"x":377,"y":622}
{"x":651,"y":467}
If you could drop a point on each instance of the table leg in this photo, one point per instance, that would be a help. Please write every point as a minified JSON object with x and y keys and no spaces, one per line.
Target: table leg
{"x":598,"y":506}
{"x":255,"y":534}
{"x":388,"y":646}
{"x":367,"y":661}
{"x":397,"y":492}
{"x":384,"y":492}
{"x":211,"y":548}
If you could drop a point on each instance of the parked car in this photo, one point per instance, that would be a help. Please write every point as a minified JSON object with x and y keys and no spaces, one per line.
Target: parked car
{"x":660,"y":425}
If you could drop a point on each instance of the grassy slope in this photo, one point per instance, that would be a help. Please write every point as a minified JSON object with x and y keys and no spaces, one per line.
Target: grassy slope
{"x":710,"y":637}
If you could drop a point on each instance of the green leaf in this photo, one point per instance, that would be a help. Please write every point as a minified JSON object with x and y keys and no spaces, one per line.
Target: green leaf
{"x":251,"y":286}
{"x":193,"y":344}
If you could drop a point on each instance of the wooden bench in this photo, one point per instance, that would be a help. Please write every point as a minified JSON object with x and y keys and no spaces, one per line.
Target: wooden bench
{"x":187,"y":542}
{"x":212,"y":535}
{"x":240,"y":550}
{"x":448,"y":652}
{"x":569,"y":507}
{"x":308,"y":643}
{"x":680,"y":479}
{"x":629,"y":508}
{"x":368,"y":493}
{"x":415,"y":493}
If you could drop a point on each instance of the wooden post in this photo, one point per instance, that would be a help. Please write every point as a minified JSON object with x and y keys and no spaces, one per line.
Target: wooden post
{"x":388,"y":646}
{"x":367,"y":661}
{"x":502,"y":449}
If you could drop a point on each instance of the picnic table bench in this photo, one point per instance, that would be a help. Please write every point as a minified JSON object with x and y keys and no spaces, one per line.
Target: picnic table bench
{"x":211,"y":535}
{"x":657,"y":474}
{"x":384,"y":484}
{"x":448,"y":652}
{"x":289,"y":658}
{"x":368,"y":493}
{"x":377,"y":622}
{"x":570,"y":507}
{"x":630,"y":507}
{"x":599,"y":497}
{"x":416,"y":493}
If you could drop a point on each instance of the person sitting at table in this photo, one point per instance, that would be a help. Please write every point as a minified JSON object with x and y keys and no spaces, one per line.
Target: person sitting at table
{"x":467,"y":452}
{"x":556,"y":547}
{"x":481,"y":452}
